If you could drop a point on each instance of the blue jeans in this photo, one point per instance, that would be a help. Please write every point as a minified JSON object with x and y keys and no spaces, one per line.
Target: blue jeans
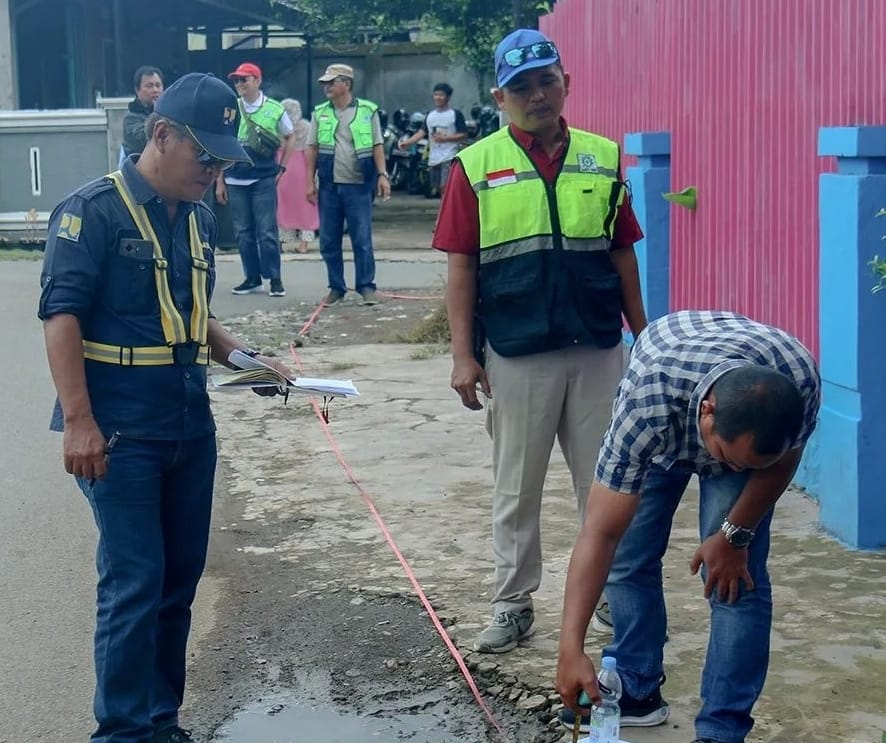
{"x":254,"y":217}
{"x":338,"y":202}
{"x":738,"y":645}
{"x":152,"y":511}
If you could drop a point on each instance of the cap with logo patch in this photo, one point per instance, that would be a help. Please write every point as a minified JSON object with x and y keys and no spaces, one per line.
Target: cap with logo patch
{"x":207,"y":108}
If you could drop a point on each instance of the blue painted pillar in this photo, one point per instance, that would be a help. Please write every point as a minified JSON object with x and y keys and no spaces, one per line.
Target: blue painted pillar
{"x":851,"y":446}
{"x":649,"y":179}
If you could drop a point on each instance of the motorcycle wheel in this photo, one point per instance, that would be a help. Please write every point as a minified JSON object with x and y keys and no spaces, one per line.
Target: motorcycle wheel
{"x":398,"y":174}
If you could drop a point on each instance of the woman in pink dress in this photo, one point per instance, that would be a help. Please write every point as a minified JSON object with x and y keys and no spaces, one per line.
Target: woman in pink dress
{"x":296,"y":216}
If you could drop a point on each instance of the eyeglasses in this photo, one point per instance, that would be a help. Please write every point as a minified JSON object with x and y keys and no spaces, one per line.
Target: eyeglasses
{"x":539,"y":50}
{"x":205,"y":159}
{"x":336,"y":80}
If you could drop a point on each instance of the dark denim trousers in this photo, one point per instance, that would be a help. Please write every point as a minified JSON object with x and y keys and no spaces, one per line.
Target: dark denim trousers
{"x":352,"y":202}
{"x":254,"y":217}
{"x":152,"y":511}
{"x":738,"y":645}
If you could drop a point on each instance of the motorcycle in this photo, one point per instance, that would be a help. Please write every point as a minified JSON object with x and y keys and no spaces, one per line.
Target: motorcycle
{"x":397,"y":160}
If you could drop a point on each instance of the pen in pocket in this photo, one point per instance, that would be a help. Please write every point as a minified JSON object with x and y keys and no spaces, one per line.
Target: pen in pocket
{"x":108,"y":448}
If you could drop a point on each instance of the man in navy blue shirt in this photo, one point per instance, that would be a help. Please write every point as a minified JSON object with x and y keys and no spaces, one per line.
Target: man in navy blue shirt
{"x":127,"y":279}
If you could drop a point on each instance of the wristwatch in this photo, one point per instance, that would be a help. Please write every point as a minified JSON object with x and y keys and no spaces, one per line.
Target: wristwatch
{"x":384,"y":175}
{"x":738,"y":536}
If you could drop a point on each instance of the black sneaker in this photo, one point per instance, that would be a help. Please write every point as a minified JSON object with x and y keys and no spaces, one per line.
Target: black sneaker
{"x":634,"y":713}
{"x":174,"y":734}
{"x":249,"y":286}
{"x":277,"y":289}
{"x":643,"y":713}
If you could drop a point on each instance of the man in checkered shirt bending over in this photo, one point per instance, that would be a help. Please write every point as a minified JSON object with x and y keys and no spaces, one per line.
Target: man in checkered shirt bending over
{"x":733,"y":401}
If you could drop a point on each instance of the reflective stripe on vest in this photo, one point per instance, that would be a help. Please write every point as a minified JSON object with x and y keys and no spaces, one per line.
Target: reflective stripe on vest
{"x":513,"y":198}
{"x":138,"y":355}
{"x":173,"y":324}
{"x":360,"y":127}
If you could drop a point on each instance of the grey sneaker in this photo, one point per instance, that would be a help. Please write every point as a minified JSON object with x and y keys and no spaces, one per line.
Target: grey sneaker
{"x":505,"y":631}
{"x":602,"y":619}
{"x":370,"y":297}
{"x":333,"y":297}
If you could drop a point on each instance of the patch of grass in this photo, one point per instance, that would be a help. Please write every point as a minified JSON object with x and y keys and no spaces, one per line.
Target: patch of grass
{"x":339,"y":366}
{"x":433,"y":329}
{"x":20,"y":254}
{"x":422,"y":354}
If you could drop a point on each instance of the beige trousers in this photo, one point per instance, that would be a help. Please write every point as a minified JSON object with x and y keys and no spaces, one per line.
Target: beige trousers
{"x":566,"y":394}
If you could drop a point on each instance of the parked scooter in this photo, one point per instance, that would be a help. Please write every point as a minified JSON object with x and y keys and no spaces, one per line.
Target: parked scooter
{"x":397,"y":160}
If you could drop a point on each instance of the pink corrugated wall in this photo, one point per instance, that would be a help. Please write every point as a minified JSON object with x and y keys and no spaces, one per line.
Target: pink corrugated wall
{"x":743,"y":86}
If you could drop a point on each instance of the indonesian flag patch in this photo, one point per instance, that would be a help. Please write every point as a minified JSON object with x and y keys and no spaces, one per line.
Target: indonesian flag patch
{"x":501,"y":178}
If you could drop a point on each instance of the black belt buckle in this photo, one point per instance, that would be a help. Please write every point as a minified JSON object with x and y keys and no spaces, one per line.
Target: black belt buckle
{"x":185,"y":354}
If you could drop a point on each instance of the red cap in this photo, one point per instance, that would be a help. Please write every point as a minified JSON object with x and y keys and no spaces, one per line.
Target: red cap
{"x":246,"y":69}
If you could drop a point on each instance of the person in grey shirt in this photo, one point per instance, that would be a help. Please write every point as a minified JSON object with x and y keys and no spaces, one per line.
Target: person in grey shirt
{"x":345,"y":164}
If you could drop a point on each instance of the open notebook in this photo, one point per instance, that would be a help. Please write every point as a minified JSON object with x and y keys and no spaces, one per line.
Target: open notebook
{"x":255,"y":373}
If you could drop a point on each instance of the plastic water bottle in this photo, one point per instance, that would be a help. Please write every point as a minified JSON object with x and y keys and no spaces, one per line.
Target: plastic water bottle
{"x":606,"y":719}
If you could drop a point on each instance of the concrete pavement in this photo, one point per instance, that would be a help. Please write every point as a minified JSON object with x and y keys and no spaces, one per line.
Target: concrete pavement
{"x":425,"y":461}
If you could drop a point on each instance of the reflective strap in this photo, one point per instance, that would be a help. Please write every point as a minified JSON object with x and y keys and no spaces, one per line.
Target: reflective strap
{"x":137,"y":355}
{"x":199,"y":284}
{"x":529,"y":175}
{"x":576,"y":168}
{"x":324,"y":149}
{"x":173,"y":324}
{"x":515,"y":248}
{"x":538,"y":243}
{"x":364,"y":152}
{"x":585,"y":244}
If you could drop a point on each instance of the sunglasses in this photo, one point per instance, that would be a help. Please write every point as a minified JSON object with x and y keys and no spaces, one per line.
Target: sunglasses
{"x":207,"y":160}
{"x":237,"y":80}
{"x":539,"y":50}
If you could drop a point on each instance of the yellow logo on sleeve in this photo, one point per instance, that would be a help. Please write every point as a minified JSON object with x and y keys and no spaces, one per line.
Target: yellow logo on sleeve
{"x":69,"y":227}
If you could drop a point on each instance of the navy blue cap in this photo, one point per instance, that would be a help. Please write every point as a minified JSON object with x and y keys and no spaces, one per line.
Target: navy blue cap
{"x":207,"y":107}
{"x":522,"y":38}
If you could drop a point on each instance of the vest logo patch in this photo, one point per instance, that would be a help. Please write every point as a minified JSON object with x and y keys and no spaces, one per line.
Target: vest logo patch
{"x":501,"y":178}
{"x":587,"y":163}
{"x":69,"y":227}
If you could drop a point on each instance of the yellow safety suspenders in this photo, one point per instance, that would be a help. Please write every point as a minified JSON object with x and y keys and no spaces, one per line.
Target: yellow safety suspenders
{"x":173,"y":324}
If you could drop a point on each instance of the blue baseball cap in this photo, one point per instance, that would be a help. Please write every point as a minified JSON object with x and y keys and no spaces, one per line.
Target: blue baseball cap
{"x":523,"y":49}
{"x":207,"y":108}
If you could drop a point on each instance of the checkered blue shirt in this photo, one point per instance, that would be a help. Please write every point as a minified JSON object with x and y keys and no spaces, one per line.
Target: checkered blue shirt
{"x":673,"y":365}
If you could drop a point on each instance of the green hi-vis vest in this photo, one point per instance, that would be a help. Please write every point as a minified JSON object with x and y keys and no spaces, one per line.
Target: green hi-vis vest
{"x":546,"y":280}
{"x":361,"y":128}
{"x":267,"y":116}
{"x":176,"y":334}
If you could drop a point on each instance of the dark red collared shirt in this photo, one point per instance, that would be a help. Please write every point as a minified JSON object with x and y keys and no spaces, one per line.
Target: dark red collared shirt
{"x":458,"y":223}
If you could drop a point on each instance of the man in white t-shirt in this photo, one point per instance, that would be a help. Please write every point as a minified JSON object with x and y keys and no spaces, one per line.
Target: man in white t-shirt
{"x":445,"y":127}
{"x":251,"y":189}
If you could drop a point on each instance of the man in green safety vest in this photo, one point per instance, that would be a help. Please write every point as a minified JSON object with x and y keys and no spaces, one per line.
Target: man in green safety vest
{"x":345,"y":154}
{"x":539,"y":231}
{"x":251,"y":188}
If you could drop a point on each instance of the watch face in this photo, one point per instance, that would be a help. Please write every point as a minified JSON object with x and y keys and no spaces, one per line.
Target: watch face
{"x":741,"y":538}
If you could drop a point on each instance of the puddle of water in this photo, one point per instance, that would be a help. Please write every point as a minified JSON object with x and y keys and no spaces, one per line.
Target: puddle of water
{"x":284,"y":720}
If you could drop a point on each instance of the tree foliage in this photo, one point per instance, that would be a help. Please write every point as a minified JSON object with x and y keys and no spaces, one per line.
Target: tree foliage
{"x":470,"y":28}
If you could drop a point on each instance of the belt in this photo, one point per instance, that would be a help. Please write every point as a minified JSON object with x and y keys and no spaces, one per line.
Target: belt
{"x":180,"y":354}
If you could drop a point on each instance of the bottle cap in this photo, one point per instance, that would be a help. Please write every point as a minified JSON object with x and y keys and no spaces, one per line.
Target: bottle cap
{"x":609,"y":663}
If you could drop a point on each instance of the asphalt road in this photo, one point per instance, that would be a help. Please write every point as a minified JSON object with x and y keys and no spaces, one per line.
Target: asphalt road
{"x":47,"y":537}
{"x":47,"y":541}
